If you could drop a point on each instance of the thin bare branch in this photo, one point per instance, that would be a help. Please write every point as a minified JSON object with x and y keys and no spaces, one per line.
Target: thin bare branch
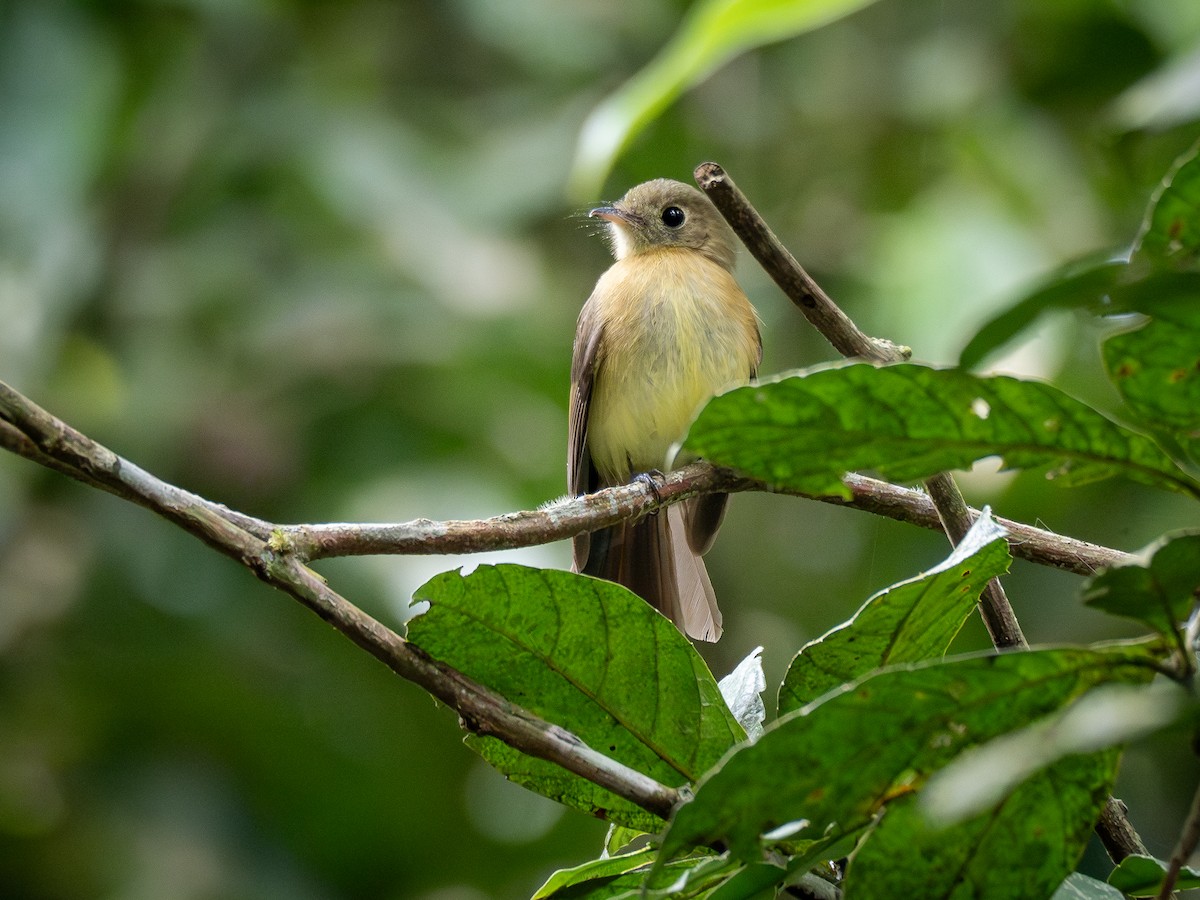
{"x":778,"y":262}
{"x":554,"y":521}
{"x":566,"y":518}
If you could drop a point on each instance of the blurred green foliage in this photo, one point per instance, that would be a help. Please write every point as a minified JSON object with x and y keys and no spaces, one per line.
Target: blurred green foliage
{"x":315,"y":260}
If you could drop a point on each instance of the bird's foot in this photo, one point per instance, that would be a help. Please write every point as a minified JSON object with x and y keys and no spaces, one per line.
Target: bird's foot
{"x":647,"y":478}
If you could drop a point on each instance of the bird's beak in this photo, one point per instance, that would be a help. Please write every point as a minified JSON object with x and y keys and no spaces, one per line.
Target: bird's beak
{"x":616,"y":215}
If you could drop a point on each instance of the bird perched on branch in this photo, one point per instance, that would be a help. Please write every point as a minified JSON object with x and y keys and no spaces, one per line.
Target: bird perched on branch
{"x":665,"y":329}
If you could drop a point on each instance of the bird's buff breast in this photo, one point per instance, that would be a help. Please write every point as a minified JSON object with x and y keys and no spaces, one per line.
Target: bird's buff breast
{"x":677,"y":329}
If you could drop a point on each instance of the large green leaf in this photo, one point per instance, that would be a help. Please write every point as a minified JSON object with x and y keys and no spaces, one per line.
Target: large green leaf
{"x":1159,"y":591}
{"x":908,"y":622}
{"x":1109,"y":716}
{"x":589,"y":656}
{"x":828,"y":768}
{"x":1024,"y":846}
{"x":714,"y":32}
{"x":907,"y":422}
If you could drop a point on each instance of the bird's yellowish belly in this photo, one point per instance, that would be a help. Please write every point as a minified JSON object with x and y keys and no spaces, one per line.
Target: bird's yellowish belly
{"x":679,"y":330}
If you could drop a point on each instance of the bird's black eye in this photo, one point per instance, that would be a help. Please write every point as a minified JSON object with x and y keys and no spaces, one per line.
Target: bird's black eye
{"x":672,"y":216}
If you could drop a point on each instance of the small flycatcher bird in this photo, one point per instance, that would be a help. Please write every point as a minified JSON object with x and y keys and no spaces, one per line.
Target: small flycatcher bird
{"x":665,"y":329}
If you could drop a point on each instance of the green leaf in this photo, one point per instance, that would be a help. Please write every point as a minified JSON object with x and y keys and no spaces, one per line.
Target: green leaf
{"x":1100,"y":285}
{"x":1109,"y":716}
{"x":1078,"y":886}
{"x":908,"y":622}
{"x":1156,"y":367}
{"x":605,"y":879}
{"x":1169,"y":240}
{"x":619,"y":837}
{"x":1159,"y":591}
{"x":1022,"y":847}
{"x":714,"y":32}
{"x":753,"y":881}
{"x":828,"y":768}
{"x":597,"y":870}
{"x":1171,"y":231}
{"x":906,"y":422}
{"x":1079,"y":284}
{"x":589,"y":656}
{"x":1141,"y":876}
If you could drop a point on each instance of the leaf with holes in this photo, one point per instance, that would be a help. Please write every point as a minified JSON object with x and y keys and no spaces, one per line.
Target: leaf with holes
{"x":1156,"y":365}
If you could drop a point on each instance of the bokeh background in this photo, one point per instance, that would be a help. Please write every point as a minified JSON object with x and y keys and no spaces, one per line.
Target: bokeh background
{"x":317,"y":261}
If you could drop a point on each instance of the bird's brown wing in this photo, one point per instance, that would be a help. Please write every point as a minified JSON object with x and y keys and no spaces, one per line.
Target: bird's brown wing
{"x":581,"y":474}
{"x":703,"y":515}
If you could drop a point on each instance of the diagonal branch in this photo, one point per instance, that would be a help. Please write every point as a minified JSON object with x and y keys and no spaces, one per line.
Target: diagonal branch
{"x":483,"y":711}
{"x":952,"y":510}
{"x":847,"y":339}
{"x":826,"y":316}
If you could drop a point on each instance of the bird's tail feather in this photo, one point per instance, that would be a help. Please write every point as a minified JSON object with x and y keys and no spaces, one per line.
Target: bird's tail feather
{"x":653,"y":557}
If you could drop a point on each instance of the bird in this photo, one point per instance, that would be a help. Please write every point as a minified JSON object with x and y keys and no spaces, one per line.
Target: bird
{"x":666,"y":328}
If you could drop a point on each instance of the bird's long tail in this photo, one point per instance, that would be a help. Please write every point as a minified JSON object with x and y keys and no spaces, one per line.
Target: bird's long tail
{"x":655,"y":559}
